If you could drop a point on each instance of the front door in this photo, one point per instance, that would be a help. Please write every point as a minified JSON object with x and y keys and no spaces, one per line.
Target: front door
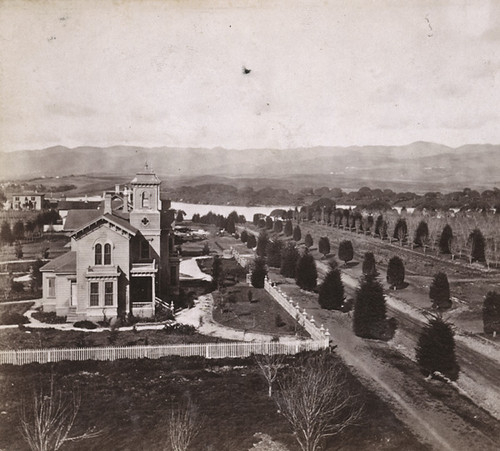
{"x":73,"y":294}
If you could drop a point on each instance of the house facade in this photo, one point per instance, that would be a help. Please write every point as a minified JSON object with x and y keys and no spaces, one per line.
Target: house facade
{"x":27,"y":201}
{"x":122,"y":259}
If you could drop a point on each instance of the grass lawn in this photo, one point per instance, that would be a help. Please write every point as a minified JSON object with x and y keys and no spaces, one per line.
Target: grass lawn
{"x":262,"y":314}
{"x":53,"y":338}
{"x":131,"y":399}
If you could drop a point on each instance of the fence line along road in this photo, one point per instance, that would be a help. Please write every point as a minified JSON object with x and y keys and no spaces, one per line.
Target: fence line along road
{"x":209,"y":351}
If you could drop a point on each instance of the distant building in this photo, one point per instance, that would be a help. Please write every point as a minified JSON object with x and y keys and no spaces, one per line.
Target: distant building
{"x":122,"y":258}
{"x":27,"y":201}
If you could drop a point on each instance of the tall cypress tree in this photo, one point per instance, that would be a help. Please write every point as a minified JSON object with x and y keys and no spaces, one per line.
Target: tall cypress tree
{"x":324,"y":246}
{"x":436,"y":350}
{"x":421,"y":234}
{"x":369,"y":318}
{"x":478,"y":246}
{"x":331,"y":291}
{"x":395,"y":272}
{"x":297,"y":234}
{"x":259,"y":272}
{"x":369,"y":268}
{"x":273,"y":253}
{"x":306,"y":275}
{"x":445,"y":239}
{"x":289,"y":259}
{"x":262,"y":241}
{"x":308,"y":240}
{"x":346,"y":252}
{"x":288,"y":228}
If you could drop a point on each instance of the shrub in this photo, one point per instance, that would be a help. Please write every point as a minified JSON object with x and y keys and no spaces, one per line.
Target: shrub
{"x":278,"y":320}
{"x":10,"y":317}
{"x":306,"y":274}
{"x":273,"y":252}
{"x":85,"y":324}
{"x":346,"y":252}
{"x":435,"y":350}
{"x":308,"y":241}
{"x":49,"y":317}
{"x":331,"y":291}
{"x":244,"y":236}
{"x":491,"y":313}
{"x":16,"y":287}
{"x":179,"y":329}
{"x":278,"y":226}
{"x":439,"y":291}
{"x":395,"y":272}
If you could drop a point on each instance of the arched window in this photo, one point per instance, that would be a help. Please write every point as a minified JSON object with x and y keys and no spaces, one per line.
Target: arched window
{"x":107,"y":254}
{"x":144,"y":200}
{"x":98,"y":254}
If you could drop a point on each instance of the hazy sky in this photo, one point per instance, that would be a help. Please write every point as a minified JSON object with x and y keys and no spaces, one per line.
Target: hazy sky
{"x":170,"y":73}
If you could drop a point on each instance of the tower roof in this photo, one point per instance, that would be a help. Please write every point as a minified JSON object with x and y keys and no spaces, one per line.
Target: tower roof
{"x":146,"y":177}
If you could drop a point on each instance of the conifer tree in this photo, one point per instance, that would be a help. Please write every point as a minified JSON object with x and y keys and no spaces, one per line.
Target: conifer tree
{"x":6,"y":233}
{"x":251,"y":241}
{"x":244,"y":236}
{"x":297,"y":234}
{"x":478,"y":246}
{"x":269,"y":223}
{"x":439,"y":291}
{"x":369,"y":317}
{"x":324,"y":246}
{"x":262,"y":241}
{"x":435,"y":350}
{"x":331,"y":291}
{"x":445,"y":239}
{"x":278,"y":226}
{"x":259,"y":272}
{"x":308,"y":241}
{"x":18,"y":231}
{"x":491,"y":313}
{"x":346,"y":252}
{"x":369,"y":268}
{"x":401,"y":230}
{"x":288,"y":228}
{"x":273,"y":252}
{"x":289,"y":259}
{"x":306,"y":274}
{"x":421,"y":233}
{"x":395,"y":272}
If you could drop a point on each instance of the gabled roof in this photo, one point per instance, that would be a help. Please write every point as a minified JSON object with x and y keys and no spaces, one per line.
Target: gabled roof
{"x":78,"y":218}
{"x":66,"y":264}
{"x":113,"y":219}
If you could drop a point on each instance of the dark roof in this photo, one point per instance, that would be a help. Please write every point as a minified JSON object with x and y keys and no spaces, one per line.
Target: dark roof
{"x":77,"y":205}
{"x":27,"y":194}
{"x":66,"y":263}
{"x":78,"y":218}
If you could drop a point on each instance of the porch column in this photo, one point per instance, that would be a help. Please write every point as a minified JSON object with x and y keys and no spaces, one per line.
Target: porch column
{"x":153,"y":292}
{"x":127,"y":299}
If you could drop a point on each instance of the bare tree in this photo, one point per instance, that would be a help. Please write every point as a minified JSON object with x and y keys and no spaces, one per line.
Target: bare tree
{"x":183,"y":426}
{"x":270,"y":365}
{"x":316,"y":401}
{"x":48,"y":417}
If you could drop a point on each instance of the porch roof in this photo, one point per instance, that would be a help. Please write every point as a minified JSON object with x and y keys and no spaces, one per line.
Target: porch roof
{"x":65,"y":264}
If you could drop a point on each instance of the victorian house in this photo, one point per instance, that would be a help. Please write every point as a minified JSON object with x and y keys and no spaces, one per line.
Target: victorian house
{"x":122,"y":259}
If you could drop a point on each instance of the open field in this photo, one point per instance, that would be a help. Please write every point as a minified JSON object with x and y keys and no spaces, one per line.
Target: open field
{"x":131,"y":400}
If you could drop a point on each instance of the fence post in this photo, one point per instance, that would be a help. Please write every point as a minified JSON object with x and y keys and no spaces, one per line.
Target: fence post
{"x":207,"y":351}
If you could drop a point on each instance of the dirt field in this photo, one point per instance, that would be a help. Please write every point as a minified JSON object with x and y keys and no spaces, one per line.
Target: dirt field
{"x":130,"y":401}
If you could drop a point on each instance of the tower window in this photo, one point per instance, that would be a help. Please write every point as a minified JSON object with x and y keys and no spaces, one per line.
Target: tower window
{"x":144,"y":200}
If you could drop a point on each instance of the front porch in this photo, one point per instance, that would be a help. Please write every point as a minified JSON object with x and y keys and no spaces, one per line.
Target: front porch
{"x":143,"y":289}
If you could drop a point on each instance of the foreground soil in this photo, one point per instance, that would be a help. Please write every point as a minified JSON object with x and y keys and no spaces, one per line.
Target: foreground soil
{"x":130,"y":400}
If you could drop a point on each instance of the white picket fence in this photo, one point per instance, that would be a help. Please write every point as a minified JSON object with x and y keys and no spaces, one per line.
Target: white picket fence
{"x":292,"y":308}
{"x":208,"y":350}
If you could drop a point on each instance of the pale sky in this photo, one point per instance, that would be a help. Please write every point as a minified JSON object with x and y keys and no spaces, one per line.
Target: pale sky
{"x":169,"y":73}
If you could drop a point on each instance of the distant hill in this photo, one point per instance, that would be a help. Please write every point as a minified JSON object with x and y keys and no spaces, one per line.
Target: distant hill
{"x":414,"y":164}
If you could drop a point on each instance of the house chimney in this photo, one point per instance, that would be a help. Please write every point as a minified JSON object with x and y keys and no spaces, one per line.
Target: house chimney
{"x":107,"y":204}
{"x":117,"y":189}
